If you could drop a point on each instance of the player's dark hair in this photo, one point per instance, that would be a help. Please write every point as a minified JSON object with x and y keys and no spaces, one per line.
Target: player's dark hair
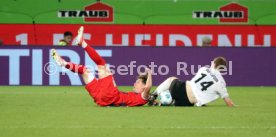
{"x":143,"y":78}
{"x":68,"y":33}
{"x":220,"y":62}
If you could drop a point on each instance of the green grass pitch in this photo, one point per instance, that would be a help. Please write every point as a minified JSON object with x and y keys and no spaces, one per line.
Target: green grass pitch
{"x":70,"y":112}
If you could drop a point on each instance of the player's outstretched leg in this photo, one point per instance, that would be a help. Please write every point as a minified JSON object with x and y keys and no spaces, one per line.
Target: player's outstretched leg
{"x":164,"y":86}
{"x":103,"y":71}
{"x":69,"y":65}
{"x":91,"y":52}
{"x":87,"y":75}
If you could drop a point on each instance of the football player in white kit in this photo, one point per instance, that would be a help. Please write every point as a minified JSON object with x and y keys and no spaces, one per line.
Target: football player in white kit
{"x":206,"y":86}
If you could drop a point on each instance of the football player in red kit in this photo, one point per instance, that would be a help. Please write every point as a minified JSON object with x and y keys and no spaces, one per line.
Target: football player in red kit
{"x":104,"y":90}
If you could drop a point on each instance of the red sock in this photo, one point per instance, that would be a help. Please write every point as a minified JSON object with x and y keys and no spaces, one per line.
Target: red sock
{"x":94,"y":56}
{"x":75,"y":68}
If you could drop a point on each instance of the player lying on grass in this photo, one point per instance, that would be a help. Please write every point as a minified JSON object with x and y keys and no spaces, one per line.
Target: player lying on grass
{"x":206,"y":86}
{"x":104,"y":90}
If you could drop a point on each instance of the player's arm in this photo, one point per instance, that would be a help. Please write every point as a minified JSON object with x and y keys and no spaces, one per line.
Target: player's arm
{"x":225,"y":96}
{"x":146,"y":91}
{"x":228,"y":102}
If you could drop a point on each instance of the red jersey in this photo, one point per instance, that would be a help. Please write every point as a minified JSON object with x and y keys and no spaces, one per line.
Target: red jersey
{"x":130,"y":99}
{"x":105,"y":93}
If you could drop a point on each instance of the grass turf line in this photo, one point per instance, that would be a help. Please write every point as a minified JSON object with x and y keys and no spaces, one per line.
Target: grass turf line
{"x":70,"y":111}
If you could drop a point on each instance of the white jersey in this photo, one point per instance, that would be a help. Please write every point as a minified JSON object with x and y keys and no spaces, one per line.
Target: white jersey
{"x":208,"y":85}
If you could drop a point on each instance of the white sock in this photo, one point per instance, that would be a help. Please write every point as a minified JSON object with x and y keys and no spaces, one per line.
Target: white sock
{"x":65,"y":62}
{"x":84,"y":44}
{"x":164,"y":86}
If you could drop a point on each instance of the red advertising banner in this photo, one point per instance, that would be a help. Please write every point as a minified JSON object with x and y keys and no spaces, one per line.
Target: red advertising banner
{"x":143,"y":35}
{"x":17,"y":34}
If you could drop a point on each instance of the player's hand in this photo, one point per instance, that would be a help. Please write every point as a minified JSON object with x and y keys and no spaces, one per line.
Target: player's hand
{"x":151,"y":100}
{"x":148,"y":71}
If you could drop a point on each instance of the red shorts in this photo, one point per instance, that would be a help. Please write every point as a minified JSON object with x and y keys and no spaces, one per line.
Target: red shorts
{"x":103,"y":91}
